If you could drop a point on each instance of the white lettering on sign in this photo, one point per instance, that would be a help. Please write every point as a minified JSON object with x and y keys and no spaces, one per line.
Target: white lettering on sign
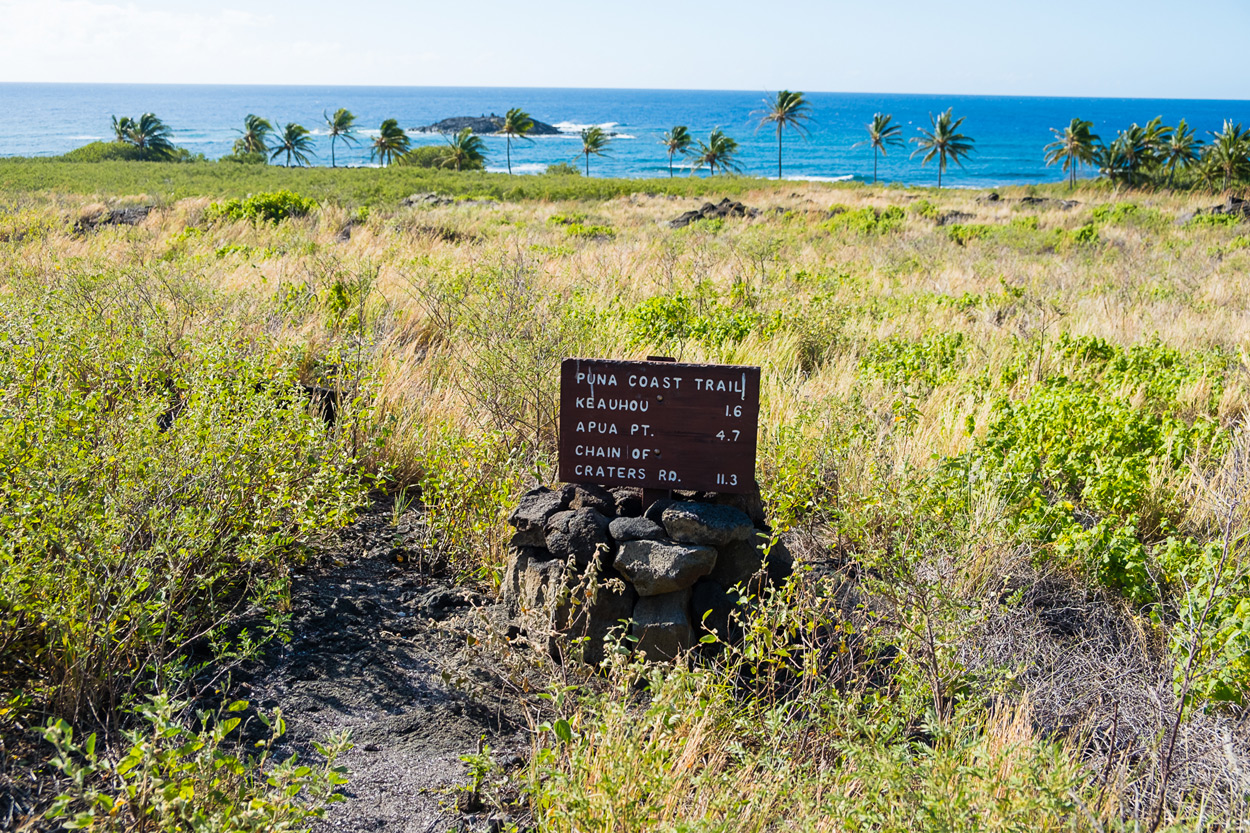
{"x":610,"y":471}
{"x":596,"y":427}
{"x":610,"y":452}
{"x":597,"y":378}
{"x":655,"y":382}
{"x":721,"y":386}
{"x":593,"y":403}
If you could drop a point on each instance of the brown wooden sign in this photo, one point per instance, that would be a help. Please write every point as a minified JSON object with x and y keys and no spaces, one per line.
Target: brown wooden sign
{"x":659,"y":425}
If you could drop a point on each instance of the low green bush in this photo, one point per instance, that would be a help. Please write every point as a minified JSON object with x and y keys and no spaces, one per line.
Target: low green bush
{"x":173,"y":779}
{"x":866,"y":220}
{"x":261,"y":208}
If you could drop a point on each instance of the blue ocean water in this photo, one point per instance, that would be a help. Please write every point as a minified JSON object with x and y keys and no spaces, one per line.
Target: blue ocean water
{"x":1010,"y":132}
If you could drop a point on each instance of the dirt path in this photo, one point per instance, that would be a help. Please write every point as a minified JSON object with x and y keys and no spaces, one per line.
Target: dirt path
{"x":395,"y":657}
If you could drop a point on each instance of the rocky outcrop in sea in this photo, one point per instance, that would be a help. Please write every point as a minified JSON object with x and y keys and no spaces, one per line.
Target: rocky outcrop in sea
{"x":483,"y":126}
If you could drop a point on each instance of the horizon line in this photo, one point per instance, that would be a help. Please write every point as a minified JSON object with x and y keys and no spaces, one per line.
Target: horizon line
{"x":606,"y":89}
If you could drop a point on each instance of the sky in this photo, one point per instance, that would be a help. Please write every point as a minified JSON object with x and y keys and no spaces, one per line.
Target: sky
{"x":1103,"y":48}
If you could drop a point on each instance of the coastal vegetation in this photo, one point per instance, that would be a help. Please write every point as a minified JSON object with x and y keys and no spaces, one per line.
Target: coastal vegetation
{"x":464,"y":150}
{"x":342,"y":125}
{"x":391,"y":143}
{"x":944,"y":142}
{"x":594,"y":143}
{"x":296,"y":143}
{"x":1151,"y":155}
{"x":677,"y":142}
{"x":717,"y":152}
{"x":1004,"y":436}
{"x":516,"y":124}
{"x":785,"y":110}
{"x":882,"y":134}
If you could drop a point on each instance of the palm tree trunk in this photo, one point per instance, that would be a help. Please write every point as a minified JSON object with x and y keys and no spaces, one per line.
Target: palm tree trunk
{"x":874,"y":166}
{"x":778,"y":151}
{"x":587,"y":164}
{"x":332,"y":162}
{"x":509,"y":141}
{"x":670,"y":164}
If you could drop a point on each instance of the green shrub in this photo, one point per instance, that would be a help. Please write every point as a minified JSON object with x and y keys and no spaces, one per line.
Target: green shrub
{"x":108,"y":152}
{"x":262,"y":208}
{"x":669,"y":319}
{"x":961,"y":234}
{"x":866,"y":220}
{"x":1114,"y":212}
{"x":161,"y":485}
{"x":435,"y":156}
{"x":173,"y":779}
{"x":931,"y":361}
{"x":591,"y":232}
{"x":926,"y":209}
{"x":245,"y":159}
{"x":1214,"y":221}
{"x":573,"y":218}
{"x":563,"y":169}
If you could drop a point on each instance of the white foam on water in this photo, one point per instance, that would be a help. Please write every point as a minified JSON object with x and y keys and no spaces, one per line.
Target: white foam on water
{"x":814,"y":178}
{"x":519,"y":168}
{"x":575,"y":127}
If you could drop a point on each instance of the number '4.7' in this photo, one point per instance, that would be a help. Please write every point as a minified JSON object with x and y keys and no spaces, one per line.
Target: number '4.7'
{"x":722,"y":436}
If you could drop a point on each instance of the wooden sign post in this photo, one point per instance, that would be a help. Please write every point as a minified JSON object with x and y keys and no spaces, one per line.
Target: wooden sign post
{"x":659,"y":424}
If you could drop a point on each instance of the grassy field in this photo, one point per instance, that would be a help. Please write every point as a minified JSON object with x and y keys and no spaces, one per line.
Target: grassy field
{"x":1009,"y":432}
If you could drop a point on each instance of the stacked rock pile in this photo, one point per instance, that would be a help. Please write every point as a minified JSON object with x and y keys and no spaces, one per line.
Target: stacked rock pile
{"x":586,"y":562}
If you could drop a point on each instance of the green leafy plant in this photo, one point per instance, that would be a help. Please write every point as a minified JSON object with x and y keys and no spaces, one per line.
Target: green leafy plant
{"x":171,"y":778}
{"x":262,"y":208}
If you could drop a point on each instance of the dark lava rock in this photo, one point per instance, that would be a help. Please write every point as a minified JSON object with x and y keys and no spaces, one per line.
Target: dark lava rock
{"x":723,"y":209}
{"x":656,"y":567}
{"x":992,"y":196}
{"x":628,"y":501}
{"x":426,"y":199}
{"x":579,"y":533}
{"x":1232,"y":205}
{"x":131,"y":216}
{"x":952,"y":217}
{"x":662,"y":625}
{"x":635,"y":529}
{"x":483,"y":126}
{"x":580,"y":496}
{"x":533,"y":514}
{"x":707,"y":523}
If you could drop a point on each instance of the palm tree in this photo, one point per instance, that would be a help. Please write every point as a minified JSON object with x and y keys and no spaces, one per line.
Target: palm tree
{"x":254,"y":137}
{"x":464,"y":149}
{"x":880,"y":134}
{"x":595,"y":141}
{"x":787,"y":109}
{"x":718,"y":152}
{"x":1227,"y":153}
{"x":1136,"y":149}
{"x":342,"y":125}
{"x":1157,"y":135}
{"x":1111,"y":161}
{"x":943,"y":141}
{"x":390,"y":143}
{"x":296,"y":142}
{"x":677,"y":140}
{"x":122,"y":128}
{"x":1183,"y":149}
{"x":147,"y":133}
{"x":516,"y":123}
{"x":1073,"y":146}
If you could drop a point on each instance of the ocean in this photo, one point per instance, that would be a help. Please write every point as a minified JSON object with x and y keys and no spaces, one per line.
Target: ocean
{"x":1010,"y":132}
